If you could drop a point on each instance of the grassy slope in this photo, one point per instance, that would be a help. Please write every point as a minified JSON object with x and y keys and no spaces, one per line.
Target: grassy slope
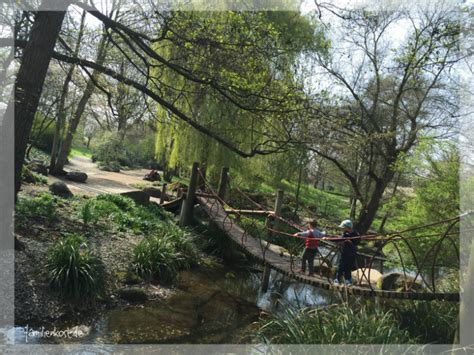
{"x":80,"y":152}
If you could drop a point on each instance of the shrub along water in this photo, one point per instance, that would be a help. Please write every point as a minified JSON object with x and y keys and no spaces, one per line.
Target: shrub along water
{"x":161,"y":257}
{"x":339,"y":324}
{"x":73,"y":271}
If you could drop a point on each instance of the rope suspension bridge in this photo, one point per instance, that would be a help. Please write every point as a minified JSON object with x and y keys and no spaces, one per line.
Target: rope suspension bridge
{"x":254,"y":231}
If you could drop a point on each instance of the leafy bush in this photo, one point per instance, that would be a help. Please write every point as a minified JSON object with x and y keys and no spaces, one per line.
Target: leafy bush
{"x":43,"y":205}
{"x":109,"y":148}
{"x":160,"y":258}
{"x":73,"y":271}
{"x":340,"y":324}
{"x":112,"y":152}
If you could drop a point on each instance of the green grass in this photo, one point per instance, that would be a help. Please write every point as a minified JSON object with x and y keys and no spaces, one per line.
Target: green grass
{"x":80,"y":152}
{"x":313,"y":202}
{"x":339,"y":324}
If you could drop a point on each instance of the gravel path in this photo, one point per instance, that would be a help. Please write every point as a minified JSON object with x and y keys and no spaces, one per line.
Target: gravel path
{"x":100,"y":181}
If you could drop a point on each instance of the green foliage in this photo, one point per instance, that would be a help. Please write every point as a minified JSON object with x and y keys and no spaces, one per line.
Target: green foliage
{"x":429,"y":322}
{"x":340,"y":324}
{"x":73,"y":271}
{"x":140,"y":151}
{"x":29,"y":176}
{"x":113,"y":151}
{"x":325,"y":204}
{"x":436,"y":198}
{"x":160,"y":257}
{"x":207,"y":45}
{"x":122,"y":213}
{"x":122,"y":202}
{"x":79,"y":151}
{"x":95,"y":210}
{"x":42,"y":205}
{"x":40,"y":179}
{"x":42,"y":132}
{"x":109,"y":149}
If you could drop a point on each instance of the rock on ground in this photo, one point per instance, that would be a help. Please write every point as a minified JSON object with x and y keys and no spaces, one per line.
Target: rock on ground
{"x":152,"y":191}
{"x":76,"y":176}
{"x":398,"y":281}
{"x":133,"y":294}
{"x":59,"y":188}
{"x":138,"y":196}
{"x":365,"y":276}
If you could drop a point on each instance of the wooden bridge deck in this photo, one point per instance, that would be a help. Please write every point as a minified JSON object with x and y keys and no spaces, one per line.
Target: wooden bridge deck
{"x":255,"y":248}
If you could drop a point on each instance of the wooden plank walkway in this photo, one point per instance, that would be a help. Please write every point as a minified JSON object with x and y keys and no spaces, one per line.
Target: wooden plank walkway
{"x":255,"y":248}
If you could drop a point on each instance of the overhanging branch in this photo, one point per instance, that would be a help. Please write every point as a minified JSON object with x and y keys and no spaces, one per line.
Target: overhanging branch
{"x":158,"y":99}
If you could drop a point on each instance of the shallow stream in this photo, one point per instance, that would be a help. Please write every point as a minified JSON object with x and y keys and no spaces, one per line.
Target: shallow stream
{"x":211,"y":305}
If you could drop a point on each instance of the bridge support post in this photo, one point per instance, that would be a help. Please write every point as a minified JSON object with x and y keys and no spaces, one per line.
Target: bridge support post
{"x":201,"y":178}
{"x":266,"y":277}
{"x":163,"y":194}
{"x":223,"y":183}
{"x":187,"y":207}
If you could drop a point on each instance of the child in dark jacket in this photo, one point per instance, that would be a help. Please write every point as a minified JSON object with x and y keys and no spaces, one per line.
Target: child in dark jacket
{"x":348,"y":245}
{"x":311,"y":246}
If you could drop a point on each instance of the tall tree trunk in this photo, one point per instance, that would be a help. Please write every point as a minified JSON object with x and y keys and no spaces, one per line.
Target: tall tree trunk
{"x":367,"y":214}
{"x":61,"y":113}
{"x":30,"y":79}
{"x":72,"y":127}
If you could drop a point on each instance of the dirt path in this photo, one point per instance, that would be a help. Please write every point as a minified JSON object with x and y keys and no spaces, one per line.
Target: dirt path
{"x":100,"y":181}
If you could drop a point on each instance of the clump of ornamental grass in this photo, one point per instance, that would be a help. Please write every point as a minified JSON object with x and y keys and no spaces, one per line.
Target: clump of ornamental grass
{"x":74,"y":271}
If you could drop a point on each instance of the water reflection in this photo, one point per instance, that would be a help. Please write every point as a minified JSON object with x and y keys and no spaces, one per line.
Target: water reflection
{"x":211,"y":306}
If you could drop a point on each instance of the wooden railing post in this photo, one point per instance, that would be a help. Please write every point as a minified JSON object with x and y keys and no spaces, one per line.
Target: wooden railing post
{"x":187,"y":207}
{"x":266,"y":268}
{"x":223,"y":183}
{"x":163,"y":194}
{"x":202,"y":177}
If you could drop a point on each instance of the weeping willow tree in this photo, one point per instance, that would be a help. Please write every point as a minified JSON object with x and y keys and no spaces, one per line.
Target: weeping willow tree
{"x":254,"y":56}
